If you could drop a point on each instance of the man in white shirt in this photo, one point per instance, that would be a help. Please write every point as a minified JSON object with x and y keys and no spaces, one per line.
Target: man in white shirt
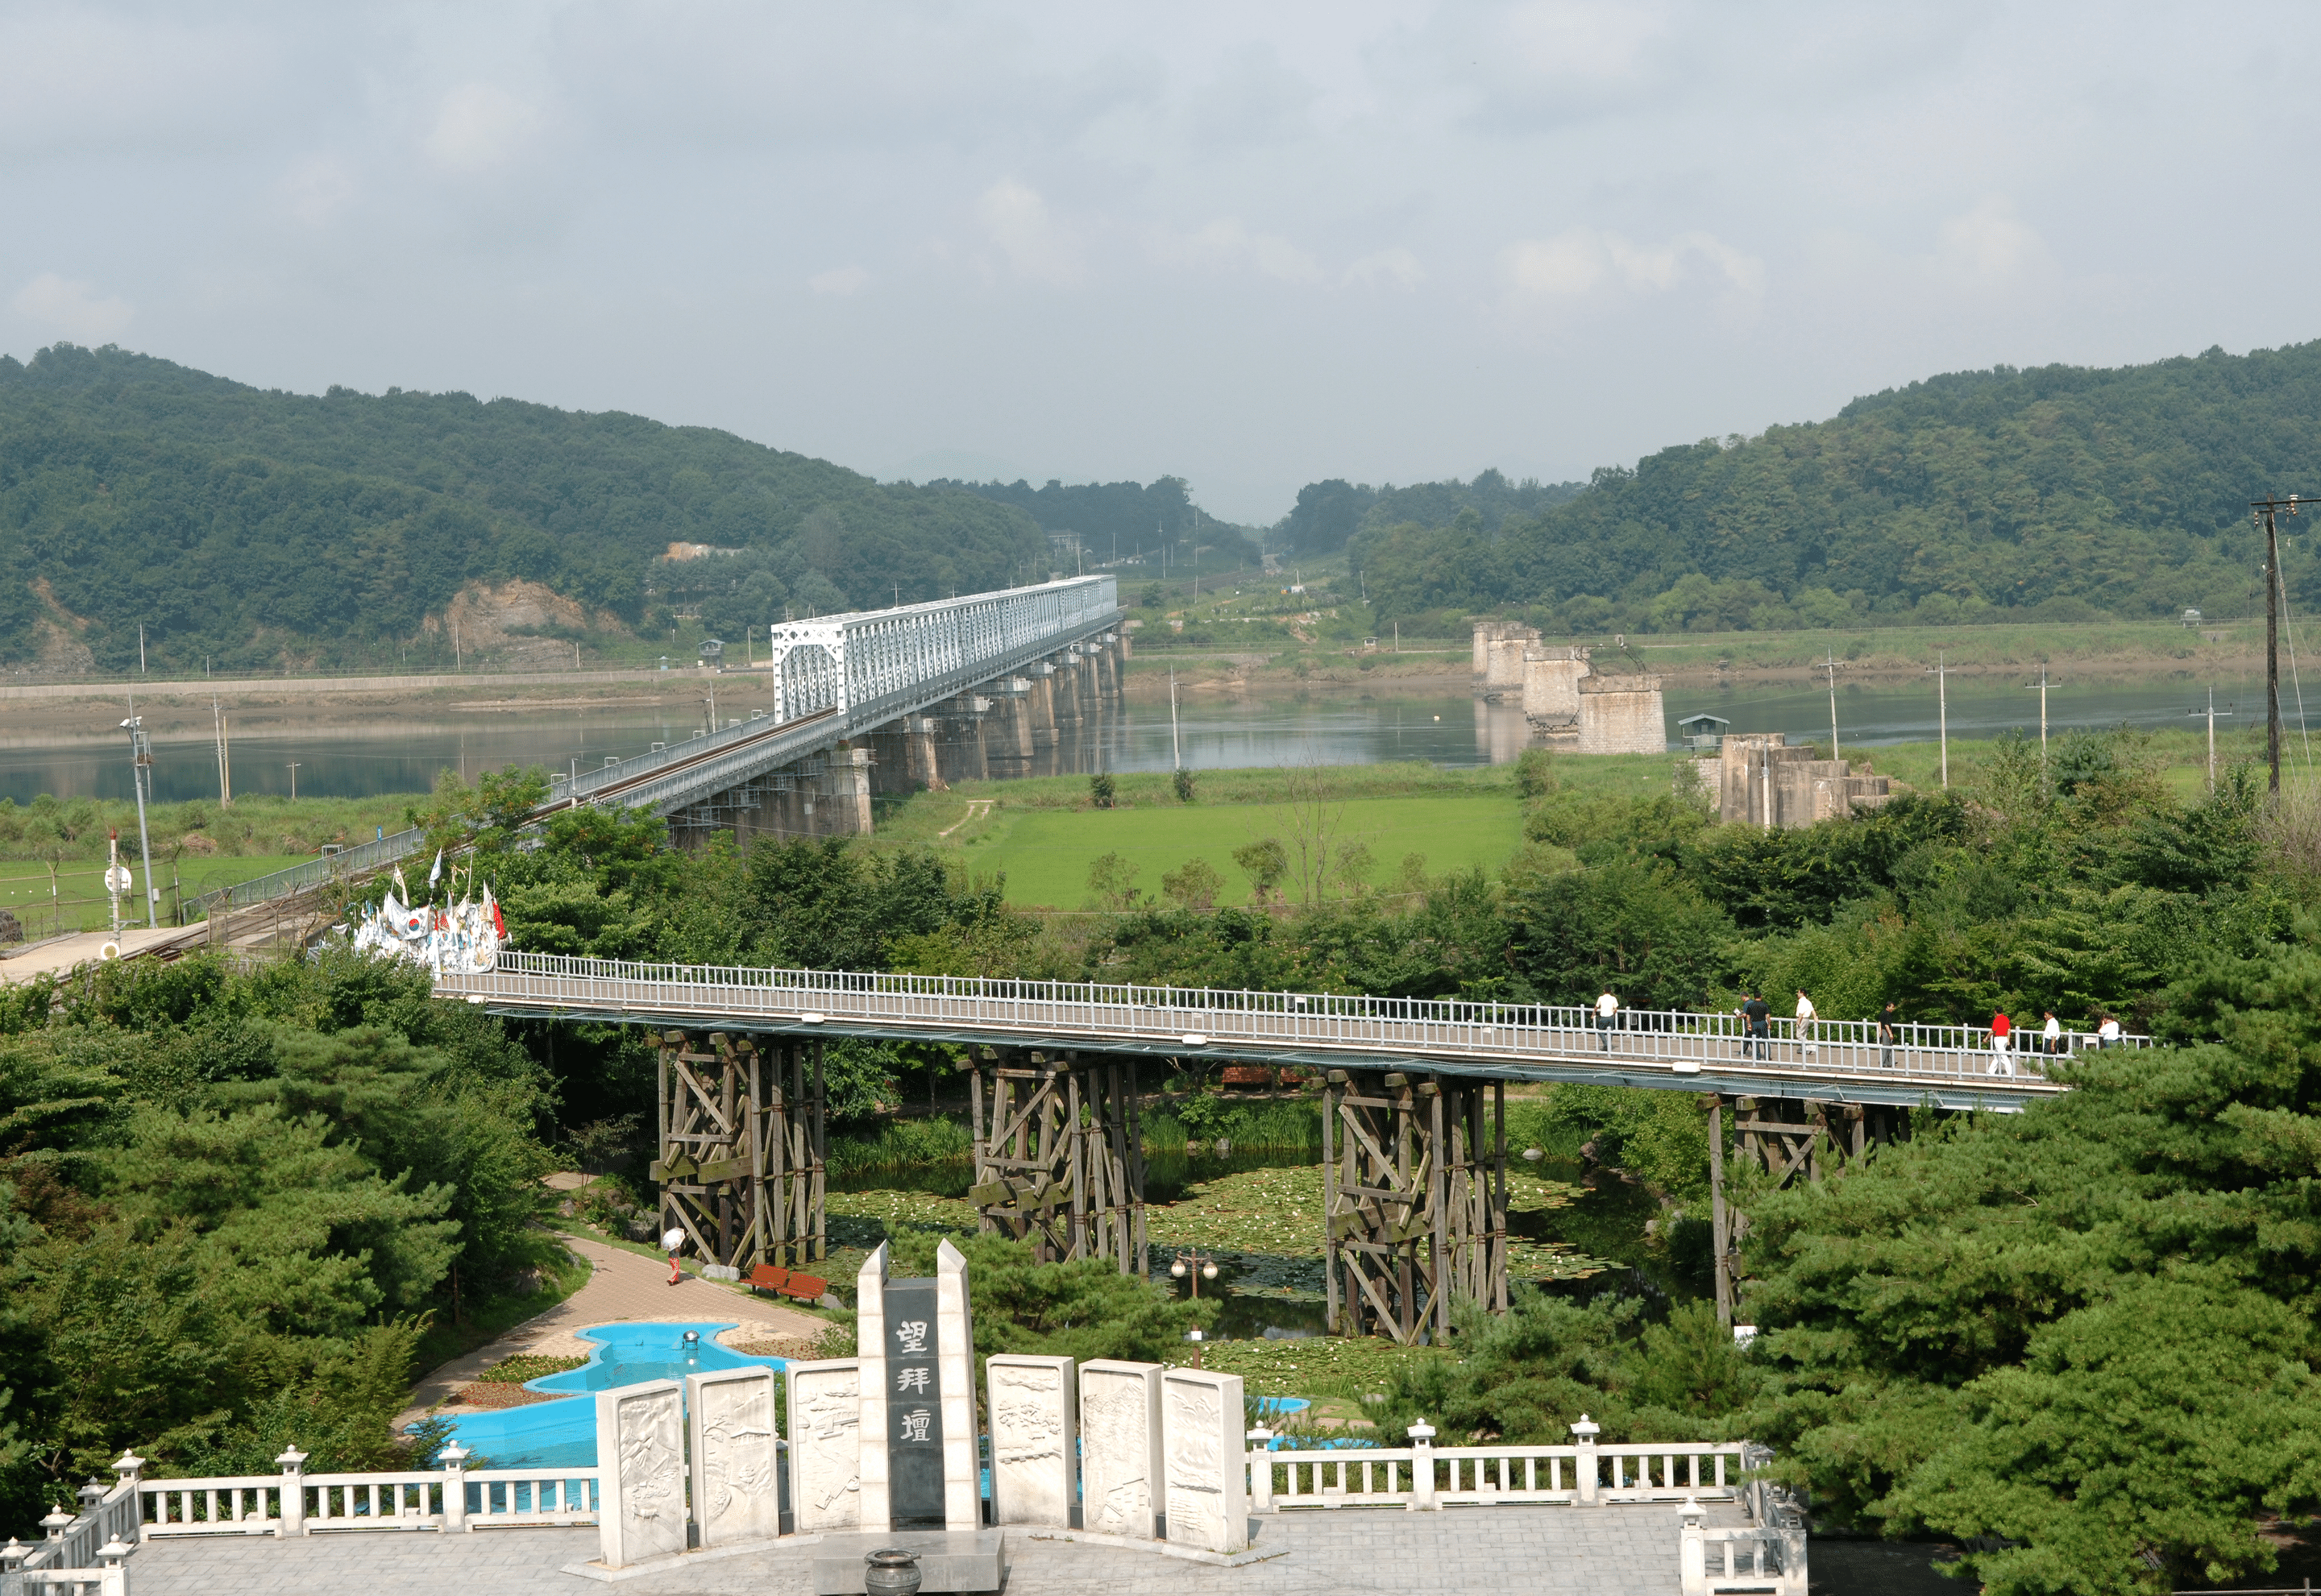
{"x":1806,"y":1023}
{"x":1608,"y":1014}
{"x":2107,"y":1033}
{"x":2051,"y":1035}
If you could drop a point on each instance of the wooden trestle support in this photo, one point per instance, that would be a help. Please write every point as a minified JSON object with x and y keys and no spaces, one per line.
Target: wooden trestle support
{"x":1414,"y":1195}
{"x":1060,"y":1154}
{"x":1784,"y":1138}
{"x":741,"y":1133}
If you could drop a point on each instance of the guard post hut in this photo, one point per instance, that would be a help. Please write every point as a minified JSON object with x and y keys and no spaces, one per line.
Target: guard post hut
{"x":1702,"y":733}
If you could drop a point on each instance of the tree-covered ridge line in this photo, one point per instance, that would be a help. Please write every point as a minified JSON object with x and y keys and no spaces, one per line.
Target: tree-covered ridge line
{"x":252,"y":527}
{"x":2058,"y":493}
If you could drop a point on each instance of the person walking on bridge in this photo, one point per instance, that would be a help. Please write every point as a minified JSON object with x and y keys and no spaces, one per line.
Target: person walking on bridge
{"x":1757,"y":1027}
{"x":1889,"y":1027}
{"x":2107,"y":1033}
{"x":2002,"y":1046}
{"x":2052,"y":1038}
{"x":1806,"y":1023}
{"x":1608,"y":1014}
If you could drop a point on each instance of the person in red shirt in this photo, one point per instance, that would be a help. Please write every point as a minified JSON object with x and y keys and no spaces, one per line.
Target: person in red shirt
{"x":2002,"y":1061}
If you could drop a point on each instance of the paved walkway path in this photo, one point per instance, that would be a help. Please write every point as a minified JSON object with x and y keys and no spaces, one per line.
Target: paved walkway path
{"x":1611,"y":1551}
{"x":623,"y":1285}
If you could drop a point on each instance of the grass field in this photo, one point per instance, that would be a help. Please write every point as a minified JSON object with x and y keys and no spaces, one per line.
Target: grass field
{"x":1045,"y":832}
{"x":81,"y":901}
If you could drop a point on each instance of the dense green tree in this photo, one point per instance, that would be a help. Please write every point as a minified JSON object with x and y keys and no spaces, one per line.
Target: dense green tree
{"x":254,"y":528}
{"x":2058,"y":493}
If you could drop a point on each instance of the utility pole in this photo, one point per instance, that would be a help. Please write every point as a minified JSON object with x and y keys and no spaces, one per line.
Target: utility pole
{"x":1943,"y":715}
{"x":2042,"y":720}
{"x":140,"y":648}
{"x":294,"y":780}
{"x":2261,"y":512}
{"x":225,"y":785}
{"x":1830,"y":661}
{"x":1176,"y":749}
{"x":140,"y":771}
{"x":2212,"y":737}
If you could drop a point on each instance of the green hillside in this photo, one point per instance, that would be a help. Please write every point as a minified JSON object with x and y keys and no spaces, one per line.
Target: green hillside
{"x":257,"y":527}
{"x":2063,"y":492}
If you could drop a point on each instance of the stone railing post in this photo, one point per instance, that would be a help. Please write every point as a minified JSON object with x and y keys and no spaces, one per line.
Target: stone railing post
{"x":129,"y":1522}
{"x":454,"y":1459}
{"x":294,"y":1493}
{"x":1692,"y":1554}
{"x":13,"y":1555}
{"x":1584,"y":1466}
{"x":114,"y":1579}
{"x":1422,"y":1469}
{"x":1261,"y":1470}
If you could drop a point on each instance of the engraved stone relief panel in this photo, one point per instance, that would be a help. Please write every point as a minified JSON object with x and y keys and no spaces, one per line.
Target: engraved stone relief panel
{"x":1207,"y":1467}
{"x":640,"y":1453}
{"x":736,"y":1460}
{"x":1032,"y":1439}
{"x":826,"y":1445}
{"x":1120,"y":1448}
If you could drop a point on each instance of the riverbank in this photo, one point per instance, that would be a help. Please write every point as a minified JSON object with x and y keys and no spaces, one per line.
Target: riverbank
{"x":1888,"y":655}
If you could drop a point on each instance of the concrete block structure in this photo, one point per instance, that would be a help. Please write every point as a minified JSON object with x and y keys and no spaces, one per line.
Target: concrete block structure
{"x":1762,"y":780}
{"x":1565,"y":699}
{"x":1551,"y":686}
{"x":1499,"y":648}
{"x":1622,"y":715}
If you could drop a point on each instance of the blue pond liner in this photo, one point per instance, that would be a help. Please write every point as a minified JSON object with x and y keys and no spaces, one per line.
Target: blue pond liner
{"x":563,"y":1434}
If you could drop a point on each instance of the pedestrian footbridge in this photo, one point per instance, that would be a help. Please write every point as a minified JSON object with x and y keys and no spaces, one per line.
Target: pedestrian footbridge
{"x":1825,"y":1061}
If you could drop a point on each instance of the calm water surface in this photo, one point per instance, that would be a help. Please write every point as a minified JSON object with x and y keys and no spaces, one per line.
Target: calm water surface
{"x":1214,"y":731}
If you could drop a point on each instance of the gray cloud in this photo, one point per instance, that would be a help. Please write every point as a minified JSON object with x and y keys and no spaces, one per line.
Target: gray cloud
{"x":1253,"y":246}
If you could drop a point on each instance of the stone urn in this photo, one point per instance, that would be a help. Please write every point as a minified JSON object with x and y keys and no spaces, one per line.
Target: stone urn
{"x":891,"y":1573}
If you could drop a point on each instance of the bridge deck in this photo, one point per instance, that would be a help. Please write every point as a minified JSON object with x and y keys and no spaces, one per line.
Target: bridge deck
{"x":1949,"y":1067}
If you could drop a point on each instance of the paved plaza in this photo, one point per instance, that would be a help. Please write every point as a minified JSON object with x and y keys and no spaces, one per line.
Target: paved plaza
{"x":1609,"y":1551}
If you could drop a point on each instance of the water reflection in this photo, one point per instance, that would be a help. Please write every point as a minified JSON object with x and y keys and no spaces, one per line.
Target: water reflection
{"x":1214,"y":731}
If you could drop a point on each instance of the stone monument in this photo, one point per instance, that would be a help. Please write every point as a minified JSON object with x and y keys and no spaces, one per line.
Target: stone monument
{"x":736,"y":1456}
{"x":1120,"y":1448}
{"x":1033,"y":1449}
{"x":1205,"y":1458}
{"x":825,"y":1404}
{"x":917,"y":1341}
{"x":920,"y":1479}
{"x":641,"y":1472}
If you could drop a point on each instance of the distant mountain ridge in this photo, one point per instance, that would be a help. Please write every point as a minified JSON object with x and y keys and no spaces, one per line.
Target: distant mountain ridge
{"x":259,"y":528}
{"x":2059,"y":492}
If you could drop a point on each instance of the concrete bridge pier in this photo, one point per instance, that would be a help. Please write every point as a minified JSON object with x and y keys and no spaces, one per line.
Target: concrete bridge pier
{"x":1007,"y":748}
{"x":960,"y":754}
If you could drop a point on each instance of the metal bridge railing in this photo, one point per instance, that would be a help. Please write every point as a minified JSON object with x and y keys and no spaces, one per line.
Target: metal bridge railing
{"x":297,"y":878}
{"x":1186,"y":1019}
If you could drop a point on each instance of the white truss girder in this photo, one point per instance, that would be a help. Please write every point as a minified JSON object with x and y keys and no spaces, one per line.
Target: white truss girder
{"x":873,"y":664}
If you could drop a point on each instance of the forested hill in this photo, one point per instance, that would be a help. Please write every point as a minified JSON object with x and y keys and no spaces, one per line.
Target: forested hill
{"x":258,"y":528}
{"x":2061,"y":491}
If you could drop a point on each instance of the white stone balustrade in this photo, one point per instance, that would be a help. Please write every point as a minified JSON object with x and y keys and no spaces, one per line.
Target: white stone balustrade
{"x":736,"y":1456}
{"x":1422,"y":1477}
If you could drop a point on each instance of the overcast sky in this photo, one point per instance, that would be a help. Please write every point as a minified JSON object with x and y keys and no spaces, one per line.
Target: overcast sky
{"x":1252,"y":245}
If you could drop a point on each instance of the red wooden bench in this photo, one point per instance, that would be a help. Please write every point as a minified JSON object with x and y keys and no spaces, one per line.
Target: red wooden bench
{"x":806,"y":1288}
{"x":769,"y":1277}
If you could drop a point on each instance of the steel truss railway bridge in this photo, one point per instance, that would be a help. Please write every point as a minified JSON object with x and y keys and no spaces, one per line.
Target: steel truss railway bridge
{"x":1415,"y":1148}
{"x":999,"y":670}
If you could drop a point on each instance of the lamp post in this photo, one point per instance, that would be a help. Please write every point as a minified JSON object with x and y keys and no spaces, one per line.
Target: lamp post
{"x":1192,"y":1266}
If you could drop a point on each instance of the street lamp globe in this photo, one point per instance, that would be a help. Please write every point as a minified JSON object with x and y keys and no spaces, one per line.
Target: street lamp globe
{"x":1177,"y":1269}
{"x":1208,"y":1271}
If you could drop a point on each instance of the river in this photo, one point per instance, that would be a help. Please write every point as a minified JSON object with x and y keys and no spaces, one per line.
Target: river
{"x":401,"y":752}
